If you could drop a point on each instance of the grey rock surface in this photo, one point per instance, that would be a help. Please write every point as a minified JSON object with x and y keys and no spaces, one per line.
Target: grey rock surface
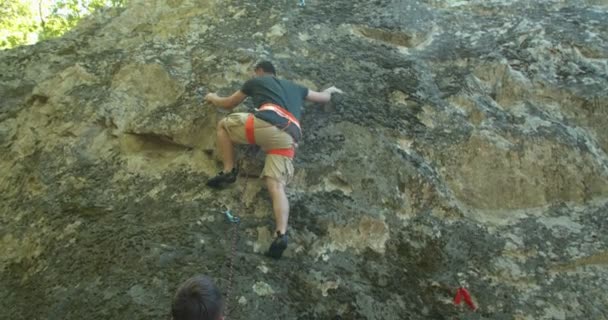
{"x":470,"y":148}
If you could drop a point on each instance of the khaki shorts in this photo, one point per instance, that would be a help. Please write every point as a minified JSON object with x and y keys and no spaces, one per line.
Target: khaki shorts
{"x":268,"y":137}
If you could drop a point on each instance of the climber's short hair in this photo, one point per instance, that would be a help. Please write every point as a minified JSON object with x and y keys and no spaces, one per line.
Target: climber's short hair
{"x":198,"y":299}
{"x":266,"y":66}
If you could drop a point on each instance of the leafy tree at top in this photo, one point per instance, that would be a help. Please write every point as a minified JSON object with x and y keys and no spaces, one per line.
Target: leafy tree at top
{"x":21,"y":25}
{"x":17,"y":24}
{"x":65,"y":14}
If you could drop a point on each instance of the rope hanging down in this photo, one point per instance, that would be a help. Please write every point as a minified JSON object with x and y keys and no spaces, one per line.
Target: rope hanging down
{"x":235,"y":228}
{"x":235,"y":221}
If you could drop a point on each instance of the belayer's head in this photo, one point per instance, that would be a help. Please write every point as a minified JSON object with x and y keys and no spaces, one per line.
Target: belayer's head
{"x":198,"y":299}
{"x":264,"y":68}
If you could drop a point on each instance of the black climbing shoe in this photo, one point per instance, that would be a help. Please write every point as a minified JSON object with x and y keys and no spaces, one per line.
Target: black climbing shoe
{"x":277,"y":246}
{"x":222,"y":179}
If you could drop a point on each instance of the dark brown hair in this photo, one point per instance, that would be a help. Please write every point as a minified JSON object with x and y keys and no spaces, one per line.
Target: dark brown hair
{"x":197,"y":299}
{"x":266,"y":66}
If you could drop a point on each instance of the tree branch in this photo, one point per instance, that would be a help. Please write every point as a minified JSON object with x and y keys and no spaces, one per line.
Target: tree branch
{"x":42,"y":22}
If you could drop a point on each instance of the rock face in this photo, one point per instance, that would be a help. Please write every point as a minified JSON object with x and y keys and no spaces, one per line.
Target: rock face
{"x":470,"y":149}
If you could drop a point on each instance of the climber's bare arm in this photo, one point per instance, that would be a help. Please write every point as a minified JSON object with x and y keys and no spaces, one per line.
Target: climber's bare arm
{"x":226,"y":102}
{"x":323,"y":96}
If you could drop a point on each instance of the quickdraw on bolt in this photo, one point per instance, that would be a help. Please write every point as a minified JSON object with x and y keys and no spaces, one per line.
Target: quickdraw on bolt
{"x":463,"y":294}
{"x":230,"y":217}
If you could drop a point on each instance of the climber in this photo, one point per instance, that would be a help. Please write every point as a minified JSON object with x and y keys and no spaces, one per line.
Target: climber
{"x":275,"y":127}
{"x":198,"y":298}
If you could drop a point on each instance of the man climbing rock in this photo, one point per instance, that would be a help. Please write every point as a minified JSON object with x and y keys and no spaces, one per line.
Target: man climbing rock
{"x":275,"y":127}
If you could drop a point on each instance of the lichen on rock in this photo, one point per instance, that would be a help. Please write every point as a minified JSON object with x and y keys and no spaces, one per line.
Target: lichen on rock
{"x":470,"y":149}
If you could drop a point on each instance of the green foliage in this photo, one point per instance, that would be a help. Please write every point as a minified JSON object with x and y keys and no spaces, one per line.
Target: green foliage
{"x":20,"y":24}
{"x":65,"y":15}
{"x":17,"y":23}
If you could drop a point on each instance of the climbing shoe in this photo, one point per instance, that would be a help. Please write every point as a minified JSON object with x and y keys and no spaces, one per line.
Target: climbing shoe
{"x":277,"y":246}
{"x":222,"y":179}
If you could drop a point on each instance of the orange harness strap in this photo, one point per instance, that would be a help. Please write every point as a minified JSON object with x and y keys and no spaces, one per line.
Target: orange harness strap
{"x":288,"y":152}
{"x":250,"y":134}
{"x":249,"y":129}
{"x":281,"y":112}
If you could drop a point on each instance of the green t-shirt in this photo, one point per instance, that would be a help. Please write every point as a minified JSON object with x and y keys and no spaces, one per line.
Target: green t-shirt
{"x":270,"y":89}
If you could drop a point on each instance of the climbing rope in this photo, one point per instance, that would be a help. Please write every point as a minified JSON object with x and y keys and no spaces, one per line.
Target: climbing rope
{"x":235,"y":229}
{"x":235,"y":221}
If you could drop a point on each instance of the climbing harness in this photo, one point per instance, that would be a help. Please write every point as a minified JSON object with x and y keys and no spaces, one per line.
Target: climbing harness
{"x":281,"y":112}
{"x":291,"y":119}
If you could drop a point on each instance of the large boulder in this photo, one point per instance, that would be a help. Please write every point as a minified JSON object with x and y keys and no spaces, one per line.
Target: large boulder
{"x":469,"y":149}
